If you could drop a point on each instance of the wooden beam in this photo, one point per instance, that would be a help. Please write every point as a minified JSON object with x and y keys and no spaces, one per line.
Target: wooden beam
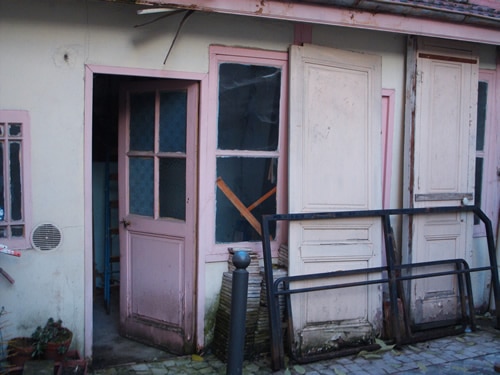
{"x":244,"y":211}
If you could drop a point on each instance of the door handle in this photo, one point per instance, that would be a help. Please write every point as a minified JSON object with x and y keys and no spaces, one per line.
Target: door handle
{"x":125,"y":223}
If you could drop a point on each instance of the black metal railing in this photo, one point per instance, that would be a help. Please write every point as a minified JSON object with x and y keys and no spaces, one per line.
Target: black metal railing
{"x":392,"y":278}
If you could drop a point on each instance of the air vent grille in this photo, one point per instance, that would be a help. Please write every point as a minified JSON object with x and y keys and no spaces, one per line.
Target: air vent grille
{"x":46,"y":237}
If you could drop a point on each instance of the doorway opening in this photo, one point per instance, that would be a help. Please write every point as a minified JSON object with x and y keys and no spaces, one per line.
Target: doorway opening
{"x":108,"y":346}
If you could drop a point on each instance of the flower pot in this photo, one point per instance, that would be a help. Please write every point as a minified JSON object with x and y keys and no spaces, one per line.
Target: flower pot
{"x":19,"y":350}
{"x":73,"y":364}
{"x":57,"y":350}
{"x":73,"y":367}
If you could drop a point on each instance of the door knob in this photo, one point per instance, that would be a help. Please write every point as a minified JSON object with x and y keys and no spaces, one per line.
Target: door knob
{"x":125,"y":223}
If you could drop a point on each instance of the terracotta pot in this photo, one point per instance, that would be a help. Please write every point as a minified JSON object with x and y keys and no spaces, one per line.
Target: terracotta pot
{"x":73,"y":367}
{"x":57,"y":350}
{"x":19,"y":350}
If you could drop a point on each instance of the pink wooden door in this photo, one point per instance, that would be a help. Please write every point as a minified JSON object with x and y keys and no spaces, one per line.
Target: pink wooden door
{"x":157,"y":164}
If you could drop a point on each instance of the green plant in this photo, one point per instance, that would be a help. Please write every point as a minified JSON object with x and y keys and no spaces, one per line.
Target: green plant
{"x":52,"y":332}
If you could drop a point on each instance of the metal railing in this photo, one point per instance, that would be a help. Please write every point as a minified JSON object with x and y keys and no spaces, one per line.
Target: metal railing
{"x":392,"y":271}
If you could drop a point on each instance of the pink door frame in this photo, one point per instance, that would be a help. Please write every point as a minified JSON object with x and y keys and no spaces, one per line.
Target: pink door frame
{"x":90,"y":70}
{"x":388,"y":98}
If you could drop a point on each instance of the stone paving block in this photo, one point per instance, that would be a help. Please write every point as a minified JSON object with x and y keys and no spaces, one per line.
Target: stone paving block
{"x":416,"y":357}
{"x":447,"y":357}
{"x":392,"y":361}
{"x":158,"y":371}
{"x":199,"y":364}
{"x":406,"y":367}
{"x":206,"y":370}
{"x":353,"y":367}
{"x":337,"y":368}
{"x":327,"y":371}
{"x":344,"y":360}
{"x":140,"y":367}
{"x":393,"y":368}
{"x":361,"y":361}
{"x":169,"y":363}
{"x":319,"y":366}
{"x":436,"y":360}
{"x":462,"y":355}
{"x":405,"y":359}
{"x":251,"y":367}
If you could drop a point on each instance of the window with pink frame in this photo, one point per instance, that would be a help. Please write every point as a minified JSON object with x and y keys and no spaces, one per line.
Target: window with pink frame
{"x":14,"y":179}
{"x":486,"y":179}
{"x":250,"y":130}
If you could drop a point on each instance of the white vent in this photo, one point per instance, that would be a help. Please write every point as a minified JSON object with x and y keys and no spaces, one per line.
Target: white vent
{"x":46,"y":237}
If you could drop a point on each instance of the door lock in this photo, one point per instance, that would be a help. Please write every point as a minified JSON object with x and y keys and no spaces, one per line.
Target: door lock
{"x":125,"y":223}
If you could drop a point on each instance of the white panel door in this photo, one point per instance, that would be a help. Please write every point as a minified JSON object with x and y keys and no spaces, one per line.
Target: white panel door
{"x":335,"y":165}
{"x":443,"y":171}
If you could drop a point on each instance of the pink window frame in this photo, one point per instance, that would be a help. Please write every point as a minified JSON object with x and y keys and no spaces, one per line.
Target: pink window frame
{"x":490,"y":194}
{"x":20,"y":116}
{"x":218,"y":54}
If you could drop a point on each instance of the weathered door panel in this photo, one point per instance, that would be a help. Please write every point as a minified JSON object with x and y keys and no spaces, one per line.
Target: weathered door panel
{"x":443,"y":171}
{"x":157,"y":165}
{"x":335,"y":164}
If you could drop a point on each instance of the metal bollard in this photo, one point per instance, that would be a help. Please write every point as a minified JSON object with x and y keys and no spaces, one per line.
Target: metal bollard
{"x":239,"y":292}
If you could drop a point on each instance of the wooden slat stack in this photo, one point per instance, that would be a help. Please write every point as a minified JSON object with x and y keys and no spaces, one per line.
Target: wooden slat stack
{"x":262,"y":335}
{"x":222,"y":319}
{"x":257,"y":319}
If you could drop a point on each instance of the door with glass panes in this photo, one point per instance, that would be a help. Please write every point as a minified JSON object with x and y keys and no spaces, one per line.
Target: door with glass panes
{"x":157,"y":166}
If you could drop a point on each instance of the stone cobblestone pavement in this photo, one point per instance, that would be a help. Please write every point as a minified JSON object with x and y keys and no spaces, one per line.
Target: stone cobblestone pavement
{"x":469,"y":353}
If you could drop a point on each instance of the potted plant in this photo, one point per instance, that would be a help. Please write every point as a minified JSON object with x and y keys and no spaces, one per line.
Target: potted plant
{"x":19,"y":350}
{"x":51,"y":341}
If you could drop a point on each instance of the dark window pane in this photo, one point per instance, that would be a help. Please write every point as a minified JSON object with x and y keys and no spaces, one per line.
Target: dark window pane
{"x":173,"y":121}
{"x":3,"y":232}
{"x":142,"y":117}
{"x":141,"y":184}
{"x":15,"y":181}
{"x":14,"y":129}
{"x":17,"y":230}
{"x":481,"y":115}
{"x":173,"y":188}
{"x":249,"y":179}
{"x":479,"y":186}
{"x":249,"y":97}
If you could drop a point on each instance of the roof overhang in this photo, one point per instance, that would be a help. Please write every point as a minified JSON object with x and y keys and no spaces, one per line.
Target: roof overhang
{"x":478,"y":23}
